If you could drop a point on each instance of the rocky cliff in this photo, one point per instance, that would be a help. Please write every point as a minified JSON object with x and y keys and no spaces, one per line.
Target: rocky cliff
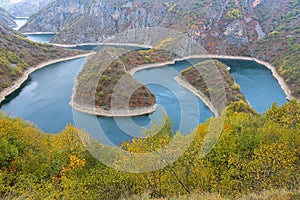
{"x":236,"y":22}
{"x":24,"y":8}
{"x":6,"y":19}
{"x":244,"y":27}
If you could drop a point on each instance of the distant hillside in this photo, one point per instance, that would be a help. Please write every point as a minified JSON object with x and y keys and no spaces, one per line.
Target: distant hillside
{"x":266,"y":29}
{"x":4,"y":3}
{"x":236,"y":22}
{"x":24,"y":8}
{"x":6,"y":19}
{"x":18,"y":54}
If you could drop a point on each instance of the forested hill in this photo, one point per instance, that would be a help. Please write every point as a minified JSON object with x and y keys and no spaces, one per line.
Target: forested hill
{"x":281,"y":46}
{"x":17,"y":54}
{"x":265,"y":29}
{"x":6,"y":19}
{"x":256,"y":157}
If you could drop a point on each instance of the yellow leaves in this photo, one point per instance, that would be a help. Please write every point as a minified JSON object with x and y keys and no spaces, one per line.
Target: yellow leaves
{"x":68,"y":140}
{"x":273,"y":165}
{"x":254,"y":152}
{"x":74,"y":165}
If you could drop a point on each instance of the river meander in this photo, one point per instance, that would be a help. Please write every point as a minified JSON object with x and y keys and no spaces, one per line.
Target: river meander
{"x":44,"y":98}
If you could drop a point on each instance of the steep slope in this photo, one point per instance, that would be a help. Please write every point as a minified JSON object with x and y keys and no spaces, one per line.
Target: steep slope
{"x":281,"y":46}
{"x":25,"y":8}
{"x":6,"y":19}
{"x":90,"y":21}
{"x":254,"y":154}
{"x":244,"y":27}
{"x":17,"y":54}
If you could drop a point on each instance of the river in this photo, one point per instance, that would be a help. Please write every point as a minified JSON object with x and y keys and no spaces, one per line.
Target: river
{"x":20,"y":22}
{"x":44,"y":98}
{"x":44,"y":38}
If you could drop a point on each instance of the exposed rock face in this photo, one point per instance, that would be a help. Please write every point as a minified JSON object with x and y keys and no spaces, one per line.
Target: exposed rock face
{"x":6,"y":19}
{"x":88,"y":21}
{"x":265,"y":29}
{"x":236,"y":32}
{"x":91,"y":21}
{"x":27,"y":8}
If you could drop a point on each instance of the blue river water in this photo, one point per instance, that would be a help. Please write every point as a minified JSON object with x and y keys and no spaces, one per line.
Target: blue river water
{"x":44,"y":38}
{"x":44,"y":99}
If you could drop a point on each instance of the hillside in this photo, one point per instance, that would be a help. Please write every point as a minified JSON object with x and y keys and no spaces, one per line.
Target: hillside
{"x":105,"y":82}
{"x":235,"y":22}
{"x":24,"y":8}
{"x":6,"y":19}
{"x":256,"y":157}
{"x":18,"y":54}
{"x":281,"y":46}
{"x":195,"y":76}
{"x":265,"y":29}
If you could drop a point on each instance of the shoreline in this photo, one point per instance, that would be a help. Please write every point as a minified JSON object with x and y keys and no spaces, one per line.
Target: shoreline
{"x":113,"y":113}
{"x":17,"y":84}
{"x":92,"y":110}
{"x":142,"y":111}
{"x":39,"y":33}
{"x":102,"y":43}
{"x":273,"y":70}
{"x":183,"y":83}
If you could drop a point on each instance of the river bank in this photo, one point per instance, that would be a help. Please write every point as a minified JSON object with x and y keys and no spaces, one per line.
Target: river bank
{"x":197,"y":93}
{"x":39,"y":33}
{"x":113,"y":113}
{"x":17,"y":84}
{"x":275,"y":74}
{"x":183,"y":83}
{"x":109,"y":44}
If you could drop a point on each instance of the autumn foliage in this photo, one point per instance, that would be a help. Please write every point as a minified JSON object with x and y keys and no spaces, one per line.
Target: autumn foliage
{"x":254,"y":153}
